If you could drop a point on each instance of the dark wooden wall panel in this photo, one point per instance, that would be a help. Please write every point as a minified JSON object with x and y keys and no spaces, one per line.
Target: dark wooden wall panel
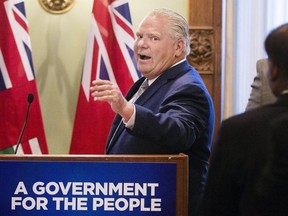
{"x":205,"y":20}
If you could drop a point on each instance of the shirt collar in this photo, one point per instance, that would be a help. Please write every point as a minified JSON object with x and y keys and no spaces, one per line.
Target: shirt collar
{"x":152,"y":80}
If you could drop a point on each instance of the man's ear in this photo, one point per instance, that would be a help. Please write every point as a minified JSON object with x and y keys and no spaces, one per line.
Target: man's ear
{"x":273,"y":71}
{"x":179,"y":48}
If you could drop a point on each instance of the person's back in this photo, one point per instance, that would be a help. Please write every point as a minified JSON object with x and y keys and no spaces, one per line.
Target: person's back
{"x":240,"y":152}
{"x":243,"y":144}
{"x":271,"y":193}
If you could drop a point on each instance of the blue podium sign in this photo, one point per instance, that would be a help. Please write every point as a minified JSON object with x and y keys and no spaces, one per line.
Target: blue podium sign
{"x":87,"y":188}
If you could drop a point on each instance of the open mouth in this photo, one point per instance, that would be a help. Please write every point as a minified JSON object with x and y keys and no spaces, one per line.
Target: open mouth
{"x":144,"y":57}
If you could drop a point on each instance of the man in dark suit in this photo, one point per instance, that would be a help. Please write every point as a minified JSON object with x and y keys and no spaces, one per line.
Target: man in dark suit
{"x":175,"y":114}
{"x":243,"y":143}
{"x":271,"y":194}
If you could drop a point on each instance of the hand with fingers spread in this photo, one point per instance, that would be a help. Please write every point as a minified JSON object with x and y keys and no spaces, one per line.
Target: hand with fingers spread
{"x":107,"y":91}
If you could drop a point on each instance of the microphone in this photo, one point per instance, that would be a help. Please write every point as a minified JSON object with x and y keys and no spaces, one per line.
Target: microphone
{"x":30,"y":100}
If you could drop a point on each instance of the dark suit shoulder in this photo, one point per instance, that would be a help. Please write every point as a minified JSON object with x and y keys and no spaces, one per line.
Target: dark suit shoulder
{"x":258,"y":115}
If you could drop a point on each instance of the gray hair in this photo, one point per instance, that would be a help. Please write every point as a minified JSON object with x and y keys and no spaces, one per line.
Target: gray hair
{"x":179,"y":28}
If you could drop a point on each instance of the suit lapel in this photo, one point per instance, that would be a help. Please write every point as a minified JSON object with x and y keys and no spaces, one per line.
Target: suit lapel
{"x":115,"y":134}
{"x":118,"y":124}
{"x":170,"y":74}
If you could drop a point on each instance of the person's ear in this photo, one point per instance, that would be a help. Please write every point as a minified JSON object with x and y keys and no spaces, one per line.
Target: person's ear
{"x":273,"y":71}
{"x":179,"y":48}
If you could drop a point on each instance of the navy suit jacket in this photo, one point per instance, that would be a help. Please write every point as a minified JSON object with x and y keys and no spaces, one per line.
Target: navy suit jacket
{"x":242,"y":149}
{"x":271,"y":194}
{"x":174,"y":115}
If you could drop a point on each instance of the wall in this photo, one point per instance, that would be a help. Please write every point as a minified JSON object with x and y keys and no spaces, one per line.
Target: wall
{"x":58,"y":47}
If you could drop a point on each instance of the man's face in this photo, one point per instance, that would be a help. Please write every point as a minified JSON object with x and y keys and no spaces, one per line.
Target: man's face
{"x":154,"y":49}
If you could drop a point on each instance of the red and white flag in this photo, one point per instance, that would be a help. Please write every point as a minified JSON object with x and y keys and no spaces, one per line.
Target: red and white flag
{"x":17,"y":81}
{"x":109,"y":55}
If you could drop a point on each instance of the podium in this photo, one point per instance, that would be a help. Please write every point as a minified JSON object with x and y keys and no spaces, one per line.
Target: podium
{"x":94,"y":185}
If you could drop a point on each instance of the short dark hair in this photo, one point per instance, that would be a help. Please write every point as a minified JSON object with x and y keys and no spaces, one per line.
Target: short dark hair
{"x":276,"y":46}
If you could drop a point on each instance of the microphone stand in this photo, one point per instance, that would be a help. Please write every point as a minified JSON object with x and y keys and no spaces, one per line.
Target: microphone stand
{"x":30,"y":100}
